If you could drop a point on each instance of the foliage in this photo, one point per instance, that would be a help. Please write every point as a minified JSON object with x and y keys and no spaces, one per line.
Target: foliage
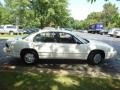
{"x":109,"y":16}
{"x":92,"y":1}
{"x":44,"y":13}
{"x":35,"y":13}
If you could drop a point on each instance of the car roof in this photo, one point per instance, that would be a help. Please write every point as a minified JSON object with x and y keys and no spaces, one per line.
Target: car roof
{"x":64,"y":31}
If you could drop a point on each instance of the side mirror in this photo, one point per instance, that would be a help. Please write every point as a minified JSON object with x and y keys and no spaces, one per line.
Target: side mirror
{"x":78,"y":42}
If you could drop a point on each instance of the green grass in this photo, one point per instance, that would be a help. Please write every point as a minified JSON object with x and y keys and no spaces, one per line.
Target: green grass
{"x":7,"y":36}
{"x":49,"y":81}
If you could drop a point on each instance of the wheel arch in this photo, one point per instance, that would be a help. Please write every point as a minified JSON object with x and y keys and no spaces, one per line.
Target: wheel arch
{"x":97,"y":50}
{"x":27,"y":50}
{"x":11,"y":32}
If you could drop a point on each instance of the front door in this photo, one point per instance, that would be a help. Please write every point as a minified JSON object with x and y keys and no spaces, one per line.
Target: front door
{"x":67,"y":47}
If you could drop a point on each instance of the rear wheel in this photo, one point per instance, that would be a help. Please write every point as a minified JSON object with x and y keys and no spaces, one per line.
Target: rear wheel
{"x":95,"y":58}
{"x":30,"y":57}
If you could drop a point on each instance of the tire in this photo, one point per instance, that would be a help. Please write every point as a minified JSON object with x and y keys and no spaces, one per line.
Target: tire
{"x":95,"y":58}
{"x":111,"y":35}
{"x":115,"y":36}
{"x":30,"y":57}
{"x":11,"y":33}
{"x":103,"y":33}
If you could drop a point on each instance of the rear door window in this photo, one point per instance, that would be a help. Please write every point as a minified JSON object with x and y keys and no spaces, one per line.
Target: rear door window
{"x":44,"y":37}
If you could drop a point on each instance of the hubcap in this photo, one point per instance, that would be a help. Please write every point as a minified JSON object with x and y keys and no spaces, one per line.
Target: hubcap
{"x":11,"y":33}
{"x":29,"y":58}
{"x":97,"y":58}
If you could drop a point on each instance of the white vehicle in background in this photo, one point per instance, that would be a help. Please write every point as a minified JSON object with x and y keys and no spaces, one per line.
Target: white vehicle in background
{"x":85,"y":31}
{"x":48,"y":28}
{"x":58,"y":44}
{"x":112,"y":31}
{"x":10,"y":29}
{"x":117,"y":33}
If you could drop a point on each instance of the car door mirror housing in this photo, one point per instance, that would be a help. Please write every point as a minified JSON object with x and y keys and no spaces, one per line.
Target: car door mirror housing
{"x":78,"y":42}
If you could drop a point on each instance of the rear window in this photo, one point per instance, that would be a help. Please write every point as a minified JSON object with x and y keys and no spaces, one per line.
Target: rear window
{"x":11,"y":26}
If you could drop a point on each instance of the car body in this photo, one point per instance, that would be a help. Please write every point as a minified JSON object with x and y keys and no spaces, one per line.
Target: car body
{"x":69,"y":29}
{"x":31,"y":30}
{"x":96,"y":28}
{"x":102,"y":32}
{"x":117,"y":33}
{"x":10,"y":29}
{"x":85,"y":31}
{"x":80,"y":31}
{"x":58,"y":44}
{"x":112,"y":31}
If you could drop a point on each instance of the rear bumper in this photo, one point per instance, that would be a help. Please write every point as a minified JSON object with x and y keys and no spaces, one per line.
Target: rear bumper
{"x":7,"y":50}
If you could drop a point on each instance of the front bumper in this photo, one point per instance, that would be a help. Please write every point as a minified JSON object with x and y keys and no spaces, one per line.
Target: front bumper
{"x":117,"y":34}
{"x":111,"y":55}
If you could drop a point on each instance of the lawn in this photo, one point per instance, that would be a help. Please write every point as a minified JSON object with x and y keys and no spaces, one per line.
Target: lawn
{"x":31,"y":80}
{"x":7,"y":36}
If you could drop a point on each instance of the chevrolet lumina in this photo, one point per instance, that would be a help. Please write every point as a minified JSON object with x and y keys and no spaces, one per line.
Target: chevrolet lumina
{"x":58,"y":44}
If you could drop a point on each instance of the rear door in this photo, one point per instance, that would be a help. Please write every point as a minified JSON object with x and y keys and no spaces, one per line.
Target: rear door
{"x":1,"y":29}
{"x":43,"y":43}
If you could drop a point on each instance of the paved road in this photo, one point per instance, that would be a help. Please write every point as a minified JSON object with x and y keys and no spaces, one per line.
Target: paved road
{"x":110,"y":66}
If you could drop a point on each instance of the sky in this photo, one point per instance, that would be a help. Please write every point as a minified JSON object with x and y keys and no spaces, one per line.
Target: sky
{"x":79,"y":9}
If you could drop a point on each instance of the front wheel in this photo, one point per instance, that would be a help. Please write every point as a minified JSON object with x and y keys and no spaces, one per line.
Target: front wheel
{"x":11,"y":33}
{"x":30,"y":57}
{"x":95,"y":58}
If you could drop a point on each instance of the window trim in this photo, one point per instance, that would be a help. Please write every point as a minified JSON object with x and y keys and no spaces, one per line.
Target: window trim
{"x":45,"y":35}
{"x":72,"y":37}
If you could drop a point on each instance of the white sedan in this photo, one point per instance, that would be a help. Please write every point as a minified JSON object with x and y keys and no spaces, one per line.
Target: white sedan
{"x":117,"y":33}
{"x":58,"y":44}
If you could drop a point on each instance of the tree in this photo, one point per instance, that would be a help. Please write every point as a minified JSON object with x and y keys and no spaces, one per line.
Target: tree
{"x":42,"y":13}
{"x":50,"y":12}
{"x":91,"y":1}
{"x":17,"y":9}
{"x":96,"y":0}
{"x":4,"y":16}
{"x":36,"y":13}
{"x":110,"y":15}
{"x":94,"y":17}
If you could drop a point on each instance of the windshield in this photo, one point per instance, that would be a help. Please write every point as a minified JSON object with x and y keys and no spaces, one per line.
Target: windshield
{"x":83,"y":40}
{"x":25,"y":36}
